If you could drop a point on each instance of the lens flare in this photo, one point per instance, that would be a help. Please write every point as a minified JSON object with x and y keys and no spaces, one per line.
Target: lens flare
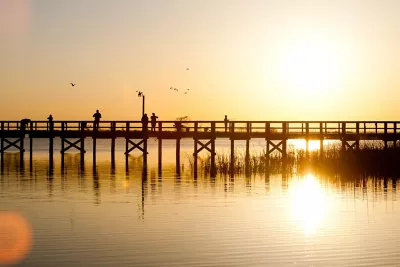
{"x":15,"y":238}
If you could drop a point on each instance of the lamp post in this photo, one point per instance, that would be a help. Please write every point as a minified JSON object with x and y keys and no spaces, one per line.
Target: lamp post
{"x":141,"y":94}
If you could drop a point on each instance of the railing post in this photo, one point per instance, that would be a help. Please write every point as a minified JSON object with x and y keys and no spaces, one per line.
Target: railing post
{"x":232,"y":127}
{"x":159,"y":126}
{"x":213,"y":127}
{"x":196,"y":127}
{"x":267,"y":127}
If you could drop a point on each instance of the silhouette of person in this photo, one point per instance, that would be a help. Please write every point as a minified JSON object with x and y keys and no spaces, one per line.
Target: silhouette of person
{"x":51,"y":124}
{"x":153,"y":121}
{"x":97,"y":117}
{"x":145,"y":122}
{"x":226,"y":123}
{"x":24,"y":123}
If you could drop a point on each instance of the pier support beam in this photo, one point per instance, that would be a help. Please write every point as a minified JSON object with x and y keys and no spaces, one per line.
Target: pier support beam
{"x":232,"y":159}
{"x":113,"y":129}
{"x":94,"y":150}
{"x":159,"y":150}
{"x":321,"y":139}
{"x":178,"y":155}
{"x":1,"y":154}
{"x":210,"y":147}
{"x":346,"y":145}
{"x":51,"y":149}
{"x":280,"y":146}
{"x":321,"y":147}
{"x":141,"y":145}
{"x":78,"y":144}
{"x":159,"y":154}
{"x":17,"y":143}
{"x":307,"y":139}
{"x":307,"y":147}
{"x":195,"y":157}
{"x":51,"y":142}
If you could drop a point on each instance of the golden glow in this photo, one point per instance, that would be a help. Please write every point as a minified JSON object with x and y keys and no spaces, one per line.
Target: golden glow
{"x":310,"y":66}
{"x":309,"y":204}
{"x":301,"y":144}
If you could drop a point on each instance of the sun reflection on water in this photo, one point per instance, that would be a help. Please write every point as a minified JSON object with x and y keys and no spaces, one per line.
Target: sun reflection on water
{"x":309,"y":204}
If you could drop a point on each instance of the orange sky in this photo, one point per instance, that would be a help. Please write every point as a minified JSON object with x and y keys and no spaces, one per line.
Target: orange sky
{"x":251,"y":60}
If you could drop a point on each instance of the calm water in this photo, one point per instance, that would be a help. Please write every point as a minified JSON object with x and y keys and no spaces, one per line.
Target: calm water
{"x":119,"y":217}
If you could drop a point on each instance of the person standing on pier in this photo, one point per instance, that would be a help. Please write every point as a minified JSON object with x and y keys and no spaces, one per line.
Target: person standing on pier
{"x":97,"y":117}
{"x":153,"y":122}
{"x":226,"y":123}
{"x":145,"y":122}
{"x":51,"y":125}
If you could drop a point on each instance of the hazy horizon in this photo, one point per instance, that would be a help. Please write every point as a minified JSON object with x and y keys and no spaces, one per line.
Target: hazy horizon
{"x":257,"y":60}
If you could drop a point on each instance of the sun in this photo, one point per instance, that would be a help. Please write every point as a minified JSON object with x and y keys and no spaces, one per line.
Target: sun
{"x":310,"y":66}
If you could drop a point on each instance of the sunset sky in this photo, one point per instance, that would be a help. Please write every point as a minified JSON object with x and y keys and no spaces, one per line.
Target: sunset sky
{"x":251,"y":60}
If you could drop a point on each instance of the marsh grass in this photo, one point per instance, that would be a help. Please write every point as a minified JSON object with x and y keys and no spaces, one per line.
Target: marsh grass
{"x":371,"y":159}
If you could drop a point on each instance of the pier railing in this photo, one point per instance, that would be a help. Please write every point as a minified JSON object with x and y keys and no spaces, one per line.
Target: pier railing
{"x":269,"y":127}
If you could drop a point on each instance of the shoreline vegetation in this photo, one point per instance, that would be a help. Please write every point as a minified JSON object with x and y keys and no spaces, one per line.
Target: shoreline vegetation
{"x":372,"y":159}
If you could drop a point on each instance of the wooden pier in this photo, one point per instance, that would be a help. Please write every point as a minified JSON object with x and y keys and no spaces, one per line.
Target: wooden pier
{"x":204,"y":134}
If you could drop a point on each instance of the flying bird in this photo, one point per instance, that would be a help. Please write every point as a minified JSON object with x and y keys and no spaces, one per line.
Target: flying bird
{"x":171,"y":88}
{"x":188,"y":89}
{"x":187,"y":68}
{"x":185,"y":93}
{"x":73,"y":84}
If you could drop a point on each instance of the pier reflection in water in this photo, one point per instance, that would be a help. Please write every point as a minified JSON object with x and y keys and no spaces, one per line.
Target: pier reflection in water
{"x":126,"y":215}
